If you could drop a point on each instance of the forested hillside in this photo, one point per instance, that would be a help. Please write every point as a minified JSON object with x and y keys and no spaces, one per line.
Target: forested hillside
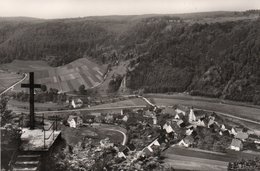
{"x":211,"y":54}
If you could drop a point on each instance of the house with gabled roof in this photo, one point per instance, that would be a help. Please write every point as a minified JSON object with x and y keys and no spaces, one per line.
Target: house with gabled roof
{"x":186,"y":142}
{"x":76,"y":103}
{"x":74,"y":121}
{"x":177,"y":117}
{"x":181,"y":123}
{"x":236,"y":145}
{"x":223,"y":127}
{"x":211,"y":121}
{"x":167,"y":127}
{"x":200,"y":123}
{"x":232,"y":131}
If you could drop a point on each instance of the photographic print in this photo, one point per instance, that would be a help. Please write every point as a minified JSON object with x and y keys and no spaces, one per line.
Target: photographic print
{"x":130,"y":85}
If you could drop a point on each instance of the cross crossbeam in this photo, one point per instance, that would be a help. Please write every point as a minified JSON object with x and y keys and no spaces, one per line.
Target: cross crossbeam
{"x":31,"y":86}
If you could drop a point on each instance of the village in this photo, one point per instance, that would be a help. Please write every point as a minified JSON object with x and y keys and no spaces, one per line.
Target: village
{"x":152,"y":130}
{"x":148,"y":132}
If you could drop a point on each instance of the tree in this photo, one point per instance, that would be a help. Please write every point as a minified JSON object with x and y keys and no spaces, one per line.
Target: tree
{"x":82,"y":89}
{"x":10,"y":134}
{"x":6,"y":115}
{"x":43,"y":88}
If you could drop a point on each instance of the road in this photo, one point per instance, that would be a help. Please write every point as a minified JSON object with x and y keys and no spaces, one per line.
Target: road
{"x":127,"y":107}
{"x":125,"y":137}
{"x":90,"y":109}
{"x":142,"y":106}
{"x":13,"y":85}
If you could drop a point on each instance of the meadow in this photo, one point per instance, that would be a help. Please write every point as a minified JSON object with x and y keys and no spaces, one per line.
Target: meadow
{"x":241,"y":111}
{"x":8,"y":78}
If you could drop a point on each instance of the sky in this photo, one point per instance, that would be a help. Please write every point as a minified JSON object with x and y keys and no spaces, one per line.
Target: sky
{"x":81,"y":8}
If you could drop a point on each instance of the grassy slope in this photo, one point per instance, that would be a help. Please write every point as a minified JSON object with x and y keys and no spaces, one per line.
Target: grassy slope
{"x":8,"y":78}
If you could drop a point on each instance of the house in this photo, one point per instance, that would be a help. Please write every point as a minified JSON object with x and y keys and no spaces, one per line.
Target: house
{"x":236,"y":145}
{"x":76,"y":103}
{"x":192,"y":117}
{"x":226,"y":133}
{"x":186,"y":142}
{"x":241,"y":135}
{"x":167,"y":127}
{"x":74,"y":121}
{"x":125,"y":118}
{"x":131,"y":147}
{"x":181,"y":123}
{"x":189,"y":131}
{"x":223,"y":128}
{"x":232,"y":131}
{"x":254,"y":138}
{"x":123,"y":151}
{"x":211,"y":121}
{"x":200,"y":123}
{"x":177,"y":117}
{"x":155,"y":121}
{"x":213,"y":116}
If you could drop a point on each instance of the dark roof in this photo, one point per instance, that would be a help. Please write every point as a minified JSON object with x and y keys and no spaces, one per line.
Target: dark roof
{"x":254,"y":136}
{"x":123,"y":148}
{"x":131,"y":147}
{"x":147,"y":151}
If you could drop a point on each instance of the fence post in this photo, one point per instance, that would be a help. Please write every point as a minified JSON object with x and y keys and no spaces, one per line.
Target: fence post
{"x":43,"y":138}
{"x":56,"y":122}
{"x":43,"y":120}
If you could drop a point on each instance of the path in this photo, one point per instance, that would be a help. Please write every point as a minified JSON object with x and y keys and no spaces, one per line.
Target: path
{"x":125,"y":137}
{"x":12,"y":86}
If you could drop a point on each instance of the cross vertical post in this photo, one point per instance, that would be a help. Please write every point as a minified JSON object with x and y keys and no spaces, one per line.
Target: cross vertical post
{"x":31,"y":86}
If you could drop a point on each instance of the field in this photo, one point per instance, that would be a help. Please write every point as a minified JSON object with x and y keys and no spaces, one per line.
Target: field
{"x":73,"y":136}
{"x":18,"y":107}
{"x":8,"y":78}
{"x":64,"y":78}
{"x":189,"y":159}
{"x":123,"y":103}
{"x":196,"y":159}
{"x":242,"y":111}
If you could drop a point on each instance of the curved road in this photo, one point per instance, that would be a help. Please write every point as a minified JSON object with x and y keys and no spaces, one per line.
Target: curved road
{"x":125,"y":137}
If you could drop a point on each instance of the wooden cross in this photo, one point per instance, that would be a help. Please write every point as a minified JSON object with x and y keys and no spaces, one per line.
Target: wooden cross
{"x":31,"y":86}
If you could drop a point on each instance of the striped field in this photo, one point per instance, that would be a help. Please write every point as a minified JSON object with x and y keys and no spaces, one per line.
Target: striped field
{"x":64,"y":78}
